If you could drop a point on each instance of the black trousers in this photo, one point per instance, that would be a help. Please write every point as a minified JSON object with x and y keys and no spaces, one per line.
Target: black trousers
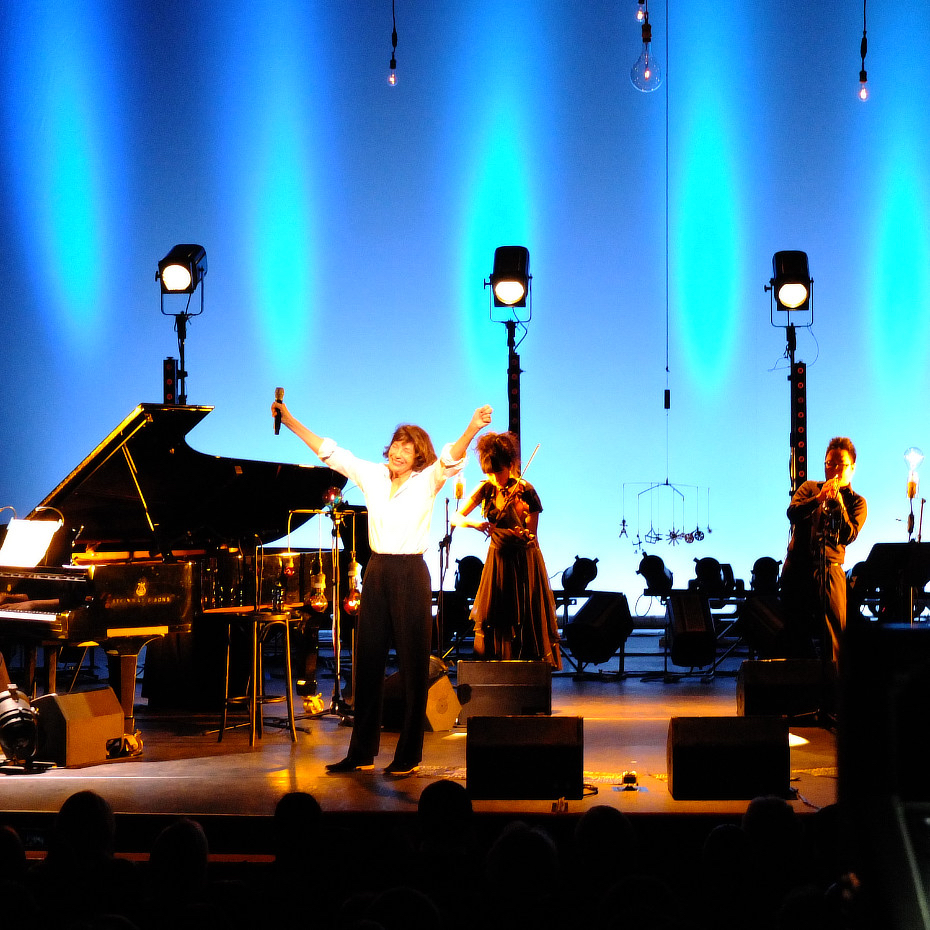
{"x":396,"y":608}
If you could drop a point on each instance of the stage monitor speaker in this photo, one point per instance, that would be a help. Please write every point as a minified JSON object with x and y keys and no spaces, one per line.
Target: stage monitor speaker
{"x":727,"y":758}
{"x":74,"y":729}
{"x":599,"y":628}
{"x":525,"y":757}
{"x":495,"y":688}
{"x":779,"y":687}
{"x":689,"y":629}
{"x":442,"y":705}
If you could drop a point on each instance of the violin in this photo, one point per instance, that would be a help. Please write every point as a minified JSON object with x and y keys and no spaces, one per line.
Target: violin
{"x":510,"y":494}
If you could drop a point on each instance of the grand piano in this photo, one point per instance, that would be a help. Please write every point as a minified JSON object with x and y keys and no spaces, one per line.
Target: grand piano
{"x":152,"y":532}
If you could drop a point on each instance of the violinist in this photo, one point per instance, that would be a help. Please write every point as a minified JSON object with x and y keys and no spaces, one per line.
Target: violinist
{"x":514,"y":610}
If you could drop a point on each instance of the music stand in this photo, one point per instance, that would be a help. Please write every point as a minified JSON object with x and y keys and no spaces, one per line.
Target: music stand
{"x":898,"y":571}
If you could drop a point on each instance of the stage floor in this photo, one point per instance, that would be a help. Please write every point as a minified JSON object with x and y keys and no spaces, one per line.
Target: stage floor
{"x":184,"y":770}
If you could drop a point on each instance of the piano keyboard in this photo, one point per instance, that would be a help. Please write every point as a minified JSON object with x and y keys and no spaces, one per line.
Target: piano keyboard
{"x":33,"y":616}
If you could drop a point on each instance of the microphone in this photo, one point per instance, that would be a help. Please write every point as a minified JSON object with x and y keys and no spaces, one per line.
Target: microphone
{"x":279,"y":397}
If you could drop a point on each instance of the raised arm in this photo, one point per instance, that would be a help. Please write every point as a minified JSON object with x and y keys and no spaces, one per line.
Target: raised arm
{"x":479,"y":420}
{"x":296,"y":427}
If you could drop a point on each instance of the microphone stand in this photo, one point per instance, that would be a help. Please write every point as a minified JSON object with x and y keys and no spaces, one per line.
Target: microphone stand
{"x":445,"y":545}
{"x":829,"y":531}
{"x":339,"y":706}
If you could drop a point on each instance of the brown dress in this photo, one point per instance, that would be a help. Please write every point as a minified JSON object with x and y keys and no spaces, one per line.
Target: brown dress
{"x":514,"y":610}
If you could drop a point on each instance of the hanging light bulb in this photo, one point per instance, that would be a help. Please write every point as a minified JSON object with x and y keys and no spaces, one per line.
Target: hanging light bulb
{"x":646,"y":74}
{"x":913,"y":457}
{"x":353,"y":600}
{"x":392,"y":73}
{"x":318,"y":600}
{"x":318,"y":593}
{"x":863,"y":93}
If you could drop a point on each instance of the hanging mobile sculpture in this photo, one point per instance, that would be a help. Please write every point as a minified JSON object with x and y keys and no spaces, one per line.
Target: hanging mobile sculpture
{"x":665,"y":511}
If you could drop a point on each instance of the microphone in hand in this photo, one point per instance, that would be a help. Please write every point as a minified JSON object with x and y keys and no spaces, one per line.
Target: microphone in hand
{"x":279,"y":398}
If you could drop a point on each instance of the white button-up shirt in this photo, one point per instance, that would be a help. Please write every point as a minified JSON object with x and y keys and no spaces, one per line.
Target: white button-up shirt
{"x":398,"y":524}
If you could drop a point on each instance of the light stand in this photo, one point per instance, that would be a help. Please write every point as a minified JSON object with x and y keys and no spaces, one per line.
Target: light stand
{"x":511,"y":288}
{"x":513,"y":382}
{"x":181,"y":271}
{"x":791,"y":288}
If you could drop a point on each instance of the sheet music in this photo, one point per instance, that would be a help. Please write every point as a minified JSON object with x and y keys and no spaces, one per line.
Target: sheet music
{"x":27,"y":541}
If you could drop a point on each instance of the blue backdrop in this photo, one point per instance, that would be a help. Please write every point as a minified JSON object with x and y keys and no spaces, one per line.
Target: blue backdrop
{"x":349,"y":227}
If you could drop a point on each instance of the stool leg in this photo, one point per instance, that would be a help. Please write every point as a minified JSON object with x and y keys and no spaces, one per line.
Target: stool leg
{"x":225,"y":684}
{"x":288,"y":682}
{"x":254,"y":706}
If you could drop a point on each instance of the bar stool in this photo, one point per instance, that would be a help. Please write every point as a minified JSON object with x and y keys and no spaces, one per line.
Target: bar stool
{"x":260,"y":624}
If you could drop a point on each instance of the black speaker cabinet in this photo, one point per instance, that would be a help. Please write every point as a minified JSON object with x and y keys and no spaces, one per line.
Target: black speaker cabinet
{"x":524,"y":757}
{"x":780,"y":687}
{"x":689,"y":629}
{"x":762,"y":625}
{"x":442,"y":705}
{"x":721,"y":758}
{"x":74,"y":729}
{"x":500,"y":688}
{"x":599,"y":628}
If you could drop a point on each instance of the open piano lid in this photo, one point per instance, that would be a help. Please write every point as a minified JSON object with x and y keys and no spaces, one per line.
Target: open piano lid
{"x":144,"y":487}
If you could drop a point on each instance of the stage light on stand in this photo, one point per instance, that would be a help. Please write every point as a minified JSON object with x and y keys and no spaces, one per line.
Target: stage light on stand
{"x":18,"y":730}
{"x":764,"y":578}
{"x":658,"y":578}
{"x":468,"y":575}
{"x":640,"y":11}
{"x":791,"y":282}
{"x":182,"y":269}
{"x":791,"y":290}
{"x":511,"y":283}
{"x":181,"y":272}
{"x":579,"y":575}
{"x":510,"y":278}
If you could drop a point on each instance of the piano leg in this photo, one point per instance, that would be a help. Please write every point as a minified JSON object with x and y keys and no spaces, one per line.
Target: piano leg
{"x":127,"y":689}
{"x":128,"y":652}
{"x":52,"y":654}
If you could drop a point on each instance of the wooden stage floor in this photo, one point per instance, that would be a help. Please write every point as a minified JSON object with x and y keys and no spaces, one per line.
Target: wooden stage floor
{"x":184,"y":770}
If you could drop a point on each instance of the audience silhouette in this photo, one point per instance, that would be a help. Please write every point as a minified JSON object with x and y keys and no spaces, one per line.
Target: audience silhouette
{"x":772,"y":870}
